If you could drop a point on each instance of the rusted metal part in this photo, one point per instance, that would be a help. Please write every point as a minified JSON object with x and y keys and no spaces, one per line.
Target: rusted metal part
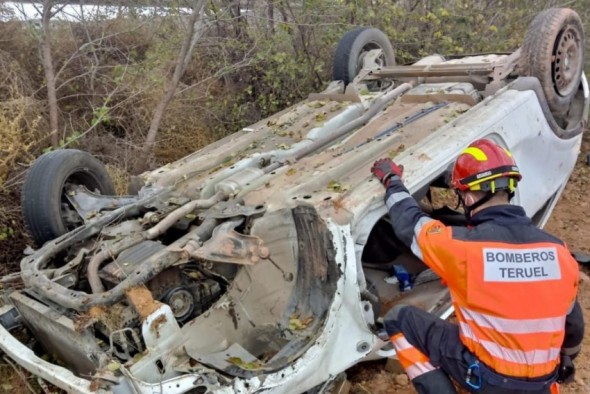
{"x":155,"y":325}
{"x":143,"y":302}
{"x":106,"y":253}
{"x":83,"y":321}
{"x":67,"y":268}
{"x":31,"y":266}
{"x":159,"y":331}
{"x":89,"y":204}
{"x":92,"y":270}
{"x":128,"y":261}
{"x":181,"y":212}
{"x":233,"y":209}
{"x":228,"y":246}
{"x":94,"y":265}
{"x":166,"y":279}
{"x":81,"y":301}
{"x":190,"y":248}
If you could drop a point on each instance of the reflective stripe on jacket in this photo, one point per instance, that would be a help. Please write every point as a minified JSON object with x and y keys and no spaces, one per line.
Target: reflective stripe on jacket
{"x":512,"y":284}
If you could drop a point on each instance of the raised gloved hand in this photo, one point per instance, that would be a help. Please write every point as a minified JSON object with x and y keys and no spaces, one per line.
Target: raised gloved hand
{"x":384,"y":169}
{"x":566,"y":371}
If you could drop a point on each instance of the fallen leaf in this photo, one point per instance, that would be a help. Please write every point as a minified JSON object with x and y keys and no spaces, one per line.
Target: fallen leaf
{"x":396,"y":151}
{"x":295,"y":324}
{"x":337,"y":186}
{"x":252,"y":365}
{"x":317,"y":104}
{"x":320,"y":117}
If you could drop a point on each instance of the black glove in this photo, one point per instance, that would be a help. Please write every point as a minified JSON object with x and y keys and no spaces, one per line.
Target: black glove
{"x":567,"y":370}
{"x":384,"y":169}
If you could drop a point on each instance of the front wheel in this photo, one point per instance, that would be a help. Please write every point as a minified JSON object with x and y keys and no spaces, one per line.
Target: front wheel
{"x":47,"y":212}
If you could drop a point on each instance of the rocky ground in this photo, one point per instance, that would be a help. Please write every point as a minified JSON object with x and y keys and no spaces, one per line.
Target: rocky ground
{"x":571,"y":222}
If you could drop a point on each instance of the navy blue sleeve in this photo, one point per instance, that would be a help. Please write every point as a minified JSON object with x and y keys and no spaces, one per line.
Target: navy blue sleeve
{"x":407,"y":218}
{"x":574,"y":332}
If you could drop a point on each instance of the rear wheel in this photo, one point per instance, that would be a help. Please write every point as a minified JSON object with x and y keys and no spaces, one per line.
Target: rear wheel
{"x":352,"y":48}
{"x":47,"y":212}
{"x":553,"y":52}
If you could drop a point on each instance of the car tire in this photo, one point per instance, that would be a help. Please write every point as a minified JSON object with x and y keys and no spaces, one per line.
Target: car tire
{"x":46,"y":211}
{"x":553,"y":52}
{"x":351,"y":48}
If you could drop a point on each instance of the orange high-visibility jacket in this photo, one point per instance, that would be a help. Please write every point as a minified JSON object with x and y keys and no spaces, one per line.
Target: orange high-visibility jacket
{"x":511,"y":283}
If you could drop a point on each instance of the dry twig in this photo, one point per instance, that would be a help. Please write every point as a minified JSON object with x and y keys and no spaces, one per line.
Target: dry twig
{"x":20,"y":374}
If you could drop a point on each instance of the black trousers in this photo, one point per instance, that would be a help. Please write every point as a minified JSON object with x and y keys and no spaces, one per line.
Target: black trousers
{"x":439,"y":341}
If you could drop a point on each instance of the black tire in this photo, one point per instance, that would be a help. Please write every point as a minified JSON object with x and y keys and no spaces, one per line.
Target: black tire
{"x":46,"y":211}
{"x":351,"y":48}
{"x":553,"y":52}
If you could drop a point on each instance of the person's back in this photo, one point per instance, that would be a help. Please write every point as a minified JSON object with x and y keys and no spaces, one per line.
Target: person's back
{"x":513,"y":285}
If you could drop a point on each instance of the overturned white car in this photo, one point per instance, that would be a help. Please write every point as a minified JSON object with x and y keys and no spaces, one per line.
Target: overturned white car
{"x":264,"y":261}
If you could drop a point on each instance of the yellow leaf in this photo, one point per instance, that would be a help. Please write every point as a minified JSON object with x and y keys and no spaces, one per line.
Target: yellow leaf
{"x":398,"y":150}
{"x":320,"y":117}
{"x":295,"y":324}
{"x":337,"y":186}
{"x":317,"y":104}
{"x":252,"y":365}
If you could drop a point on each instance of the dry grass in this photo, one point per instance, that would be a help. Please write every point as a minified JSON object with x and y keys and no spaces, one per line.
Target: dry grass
{"x":19,"y":133}
{"x":182,"y":134}
{"x":120,"y":178}
{"x":20,"y":136}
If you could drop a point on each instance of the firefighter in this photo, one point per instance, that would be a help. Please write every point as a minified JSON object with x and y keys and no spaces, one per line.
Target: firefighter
{"x":513,"y":286}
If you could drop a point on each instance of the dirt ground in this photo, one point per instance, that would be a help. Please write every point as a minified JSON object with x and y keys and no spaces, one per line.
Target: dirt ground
{"x":571,"y":222}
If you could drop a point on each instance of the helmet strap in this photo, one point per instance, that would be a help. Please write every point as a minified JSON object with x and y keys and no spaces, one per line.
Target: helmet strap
{"x":469,"y":209}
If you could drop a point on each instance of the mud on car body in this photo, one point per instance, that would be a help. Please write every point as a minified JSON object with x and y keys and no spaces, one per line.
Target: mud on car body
{"x":264,"y":261}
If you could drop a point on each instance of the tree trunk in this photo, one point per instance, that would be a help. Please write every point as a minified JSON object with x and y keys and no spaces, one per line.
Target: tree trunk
{"x":195,"y":29}
{"x":47,"y":61}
